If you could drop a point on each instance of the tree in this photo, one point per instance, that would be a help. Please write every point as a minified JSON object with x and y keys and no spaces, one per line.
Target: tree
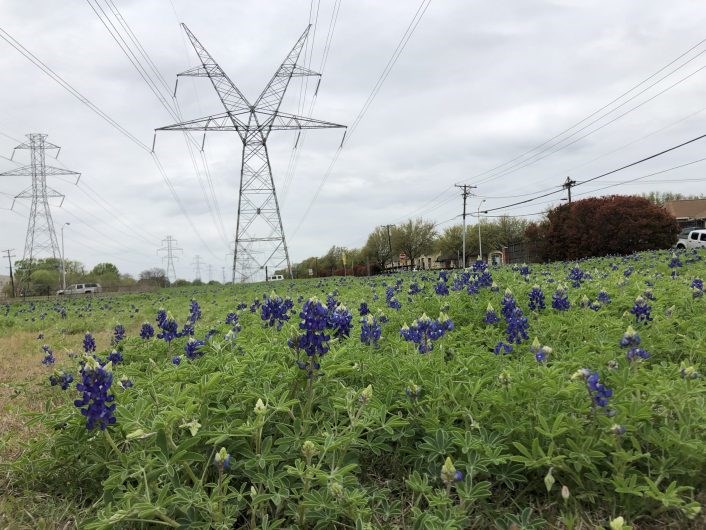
{"x":414,"y":238}
{"x":44,"y":282}
{"x":607,"y":225}
{"x":378,"y":247}
{"x":154,"y":276}
{"x":106,"y":269}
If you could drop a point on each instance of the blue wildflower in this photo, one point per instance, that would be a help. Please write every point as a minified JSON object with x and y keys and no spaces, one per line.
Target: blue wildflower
{"x":441,"y":289}
{"x":62,"y":379}
{"x":275,"y":310}
{"x":414,"y":289}
{"x":517,"y":327}
{"x":600,"y":394}
{"x":48,"y":355}
{"x":370,"y":331}
{"x":630,"y":338}
{"x":577,"y":276}
{"x":641,"y":310}
{"x":603,"y":297}
{"x":675,"y":262}
{"x":536,"y":299}
{"x":508,"y":304}
{"x":363,"y":309}
{"x":560,"y":300}
{"x":192,"y":348}
{"x":502,"y":347}
{"x":147,"y":331}
{"x":232,"y":318}
{"x":125,"y":383}
{"x":118,"y":333}
{"x":194,"y":312}
{"x":115,"y":357}
{"x":176,"y":360}
{"x":491,"y":317}
{"x":89,"y":343}
{"x":340,"y":321}
{"x":96,"y":379}
{"x":424,"y":331}
{"x":169,"y":326}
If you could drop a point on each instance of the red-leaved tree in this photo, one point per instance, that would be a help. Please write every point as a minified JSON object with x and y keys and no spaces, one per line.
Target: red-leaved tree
{"x":606,"y":225}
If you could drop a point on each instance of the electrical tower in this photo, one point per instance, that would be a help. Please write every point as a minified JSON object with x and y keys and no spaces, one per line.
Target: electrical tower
{"x":197,"y":267}
{"x":567,"y":185}
{"x":259,"y":234}
{"x":169,"y":246}
{"x":41,"y":236}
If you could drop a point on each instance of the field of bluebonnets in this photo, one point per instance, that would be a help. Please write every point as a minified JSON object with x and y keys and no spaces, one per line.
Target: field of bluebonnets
{"x":565,"y":395}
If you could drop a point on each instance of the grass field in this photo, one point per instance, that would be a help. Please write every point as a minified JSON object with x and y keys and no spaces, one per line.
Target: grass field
{"x":448,"y":420}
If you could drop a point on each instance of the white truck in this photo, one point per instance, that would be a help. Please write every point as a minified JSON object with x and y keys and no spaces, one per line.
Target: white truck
{"x":694,"y":239}
{"x":81,"y":288}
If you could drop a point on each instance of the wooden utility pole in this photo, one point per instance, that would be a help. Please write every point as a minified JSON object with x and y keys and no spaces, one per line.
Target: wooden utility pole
{"x":568,"y":184}
{"x":9,"y":261}
{"x":465,"y":192}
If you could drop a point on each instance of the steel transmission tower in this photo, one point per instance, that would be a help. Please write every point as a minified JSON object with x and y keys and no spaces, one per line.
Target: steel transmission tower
{"x":41,"y":236}
{"x":169,"y":246}
{"x":259,"y":234}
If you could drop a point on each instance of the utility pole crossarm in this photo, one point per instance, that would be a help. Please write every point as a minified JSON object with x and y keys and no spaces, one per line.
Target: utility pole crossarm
{"x":26,"y":171}
{"x":218,"y":122}
{"x":283,"y":121}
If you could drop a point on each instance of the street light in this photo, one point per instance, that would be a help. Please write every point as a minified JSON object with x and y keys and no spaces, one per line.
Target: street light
{"x":480,"y":244}
{"x":63,"y":258}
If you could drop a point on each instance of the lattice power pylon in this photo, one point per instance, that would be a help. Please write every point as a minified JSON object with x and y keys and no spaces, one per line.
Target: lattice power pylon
{"x":169,"y":246}
{"x":259,"y":234}
{"x":41,"y":236}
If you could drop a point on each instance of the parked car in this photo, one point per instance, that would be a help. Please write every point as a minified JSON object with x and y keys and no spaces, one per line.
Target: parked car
{"x":695,"y":239}
{"x":81,"y":288}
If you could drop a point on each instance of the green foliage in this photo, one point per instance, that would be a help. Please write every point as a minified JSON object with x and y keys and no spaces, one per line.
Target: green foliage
{"x":414,"y":238}
{"x":371,"y":443}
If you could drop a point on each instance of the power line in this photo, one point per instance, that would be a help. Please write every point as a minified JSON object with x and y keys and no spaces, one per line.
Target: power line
{"x":406,"y":36}
{"x":626,"y":166}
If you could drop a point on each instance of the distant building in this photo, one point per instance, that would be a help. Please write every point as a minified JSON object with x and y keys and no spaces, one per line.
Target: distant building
{"x":688,"y":212}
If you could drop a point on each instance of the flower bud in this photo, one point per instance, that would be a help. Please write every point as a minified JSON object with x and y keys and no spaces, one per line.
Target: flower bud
{"x":549,"y":479}
{"x":260,"y":407}
{"x":565,"y":493}
{"x":309,"y":449}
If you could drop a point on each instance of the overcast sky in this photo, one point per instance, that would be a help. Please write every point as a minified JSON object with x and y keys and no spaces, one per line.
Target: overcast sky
{"x":477,"y":85}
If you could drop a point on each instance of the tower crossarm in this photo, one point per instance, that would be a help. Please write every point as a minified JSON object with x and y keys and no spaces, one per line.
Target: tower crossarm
{"x":30,"y":193}
{"x":233,"y":100}
{"x":217,"y":122}
{"x":271,"y":97}
{"x":26,"y":171}
{"x":281,"y":121}
{"x":300,"y":71}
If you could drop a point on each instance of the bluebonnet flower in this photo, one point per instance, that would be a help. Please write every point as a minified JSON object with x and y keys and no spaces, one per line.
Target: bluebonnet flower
{"x":414,"y":289}
{"x":254,"y":306}
{"x":125,"y":383}
{"x":630,"y":338}
{"x":48,"y":356}
{"x":192,"y":348}
{"x":363,"y":309}
{"x":600,"y":394}
{"x":241,"y":306}
{"x":232,"y":318}
{"x":628,"y":271}
{"x":147,"y":331}
{"x":697,"y":288}
{"x":517,"y":327}
{"x":449,"y":473}
{"x":491,"y":317}
{"x":96,"y":379}
{"x":340,"y":321}
{"x":62,"y":379}
{"x":394,"y":303}
{"x":441,"y":289}
{"x":502,"y":347}
{"x":508,"y":304}
{"x":577,"y":276}
{"x":115,"y":357}
{"x":560,"y":300}
{"x":536,"y":299}
{"x":382,"y":317}
{"x":176,"y":360}
{"x":479,"y":266}
{"x":485,"y":279}
{"x":618,"y":430}
{"x":540,"y":352}
{"x":675,"y":262}
{"x":89,"y":343}
{"x":648,"y":294}
{"x":194,"y":312}
{"x":275,"y":310}
{"x":494,"y":287}
{"x":314,"y":340}
{"x":524,"y":271}
{"x":370,"y":330}
{"x":331,"y":301}
{"x":118,"y":333}
{"x":444,"y":275}
{"x":40,"y":336}
{"x":637,"y":353}
{"x":603,"y":297}
{"x":641,"y":310}
{"x":424,"y":331}
{"x":222,"y":460}
{"x":187,"y":330}
{"x":473,"y":287}
{"x":169,"y":326}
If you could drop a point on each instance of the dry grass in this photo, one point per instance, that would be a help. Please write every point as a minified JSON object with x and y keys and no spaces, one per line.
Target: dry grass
{"x":23,"y":382}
